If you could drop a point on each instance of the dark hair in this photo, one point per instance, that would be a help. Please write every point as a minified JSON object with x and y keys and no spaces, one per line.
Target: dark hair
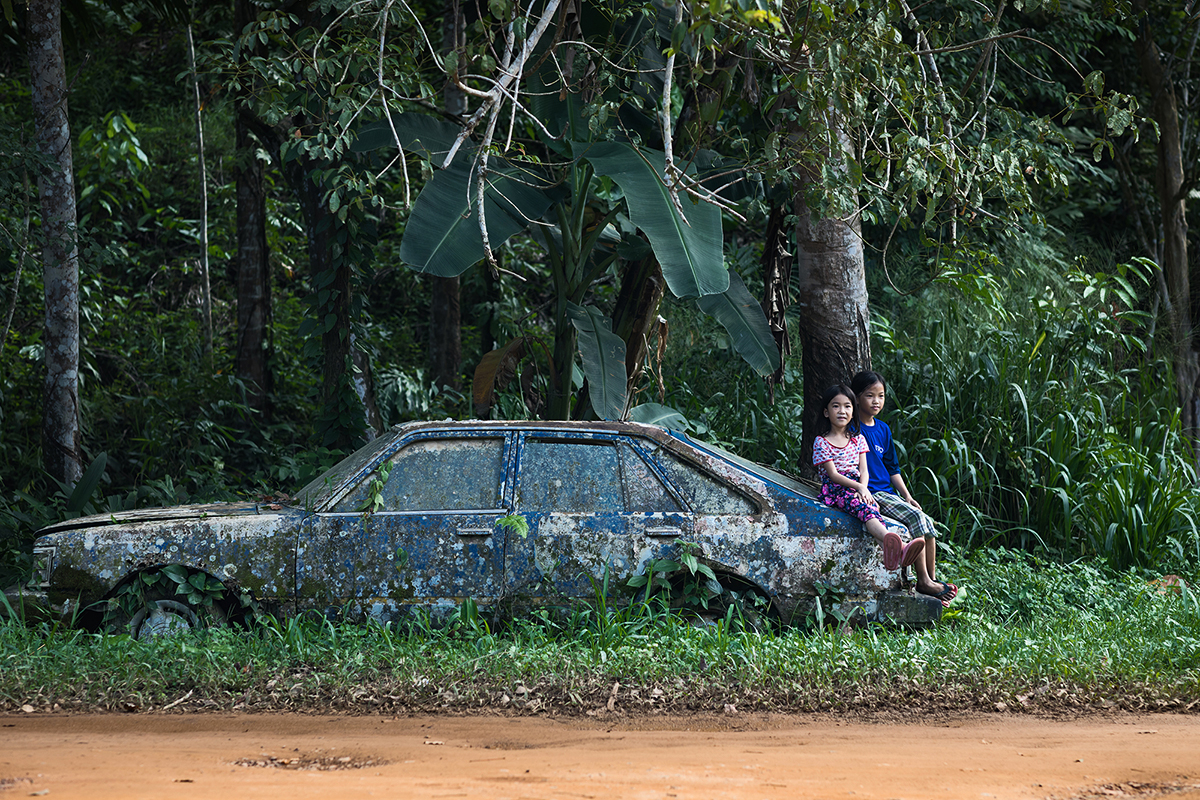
{"x":824,"y":424}
{"x":865,"y":380}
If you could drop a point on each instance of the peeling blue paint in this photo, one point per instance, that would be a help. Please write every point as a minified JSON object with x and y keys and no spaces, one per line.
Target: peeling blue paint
{"x":599,"y":498}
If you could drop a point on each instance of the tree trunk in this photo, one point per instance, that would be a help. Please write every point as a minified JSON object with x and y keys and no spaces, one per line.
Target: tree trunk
{"x":254,"y":346}
{"x":340,"y":422}
{"x":1169,"y":183}
{"x":777,"y":289}
{"x":205,"y":284}
{"x":61,"y":451}
{"x":642,"y":287}
{"x":445,"y":309}
{"x":254,"y":342}
{"x":832,"y":298}
{"x":445,"y":333}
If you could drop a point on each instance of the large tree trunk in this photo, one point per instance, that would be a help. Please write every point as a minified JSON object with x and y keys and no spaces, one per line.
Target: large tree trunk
{"x":61,"y":451}
{"x":445,"y":308}
{"x":1169,"y":183}
{"x":832,"y":298}
{"x":254,"y":344}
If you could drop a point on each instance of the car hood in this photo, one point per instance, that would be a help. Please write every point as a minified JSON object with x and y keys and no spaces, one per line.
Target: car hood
{"x":174,"y":513}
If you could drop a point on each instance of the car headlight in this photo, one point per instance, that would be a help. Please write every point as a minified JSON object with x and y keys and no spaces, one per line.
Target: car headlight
{"x":43,"y":567}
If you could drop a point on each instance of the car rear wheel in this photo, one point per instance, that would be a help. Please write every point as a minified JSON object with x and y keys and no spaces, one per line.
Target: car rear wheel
{"x":741,"y":601}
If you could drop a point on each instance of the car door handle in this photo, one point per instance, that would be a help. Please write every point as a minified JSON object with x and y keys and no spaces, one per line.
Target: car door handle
{"x":477,"y":531}
{"x":664,"y":532}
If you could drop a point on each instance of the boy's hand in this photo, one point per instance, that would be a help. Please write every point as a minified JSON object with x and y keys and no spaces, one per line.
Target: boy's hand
{"x":912,"y":502}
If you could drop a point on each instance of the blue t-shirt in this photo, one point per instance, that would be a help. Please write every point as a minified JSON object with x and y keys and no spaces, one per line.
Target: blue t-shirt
{"x":881,"y":456}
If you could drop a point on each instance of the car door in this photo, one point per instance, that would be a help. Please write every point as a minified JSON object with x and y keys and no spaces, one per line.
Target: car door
{"x":433,"y":540}
{"x":591,"y":503}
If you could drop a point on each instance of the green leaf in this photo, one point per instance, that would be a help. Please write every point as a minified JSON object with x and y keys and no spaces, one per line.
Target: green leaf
{"x":657,"y":414}
{"x":743,"y":318}
{"x":87,"y":484}
{"x":176,"y":573}
{"x":688,"y":248}
{"x":423,"y":135}
{"x":603,"y":361}
{"x":442,"y":235}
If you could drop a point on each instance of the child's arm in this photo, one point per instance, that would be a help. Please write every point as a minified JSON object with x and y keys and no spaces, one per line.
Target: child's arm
{"x":902,"y":490}
{"x":863,"y":470}
{"x":841,"y":479}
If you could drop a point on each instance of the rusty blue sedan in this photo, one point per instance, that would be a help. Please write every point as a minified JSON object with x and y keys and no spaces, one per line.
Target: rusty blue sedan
{"x":432,"y":514}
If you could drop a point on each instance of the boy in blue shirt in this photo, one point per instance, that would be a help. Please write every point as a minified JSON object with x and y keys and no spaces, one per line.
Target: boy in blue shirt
{"x":885,"y":483}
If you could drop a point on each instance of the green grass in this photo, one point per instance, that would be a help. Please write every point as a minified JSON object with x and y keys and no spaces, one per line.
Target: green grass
{"x":1029,"y":636}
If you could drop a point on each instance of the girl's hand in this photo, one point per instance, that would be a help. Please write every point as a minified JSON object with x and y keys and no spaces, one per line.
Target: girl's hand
{"x":867,"y":498}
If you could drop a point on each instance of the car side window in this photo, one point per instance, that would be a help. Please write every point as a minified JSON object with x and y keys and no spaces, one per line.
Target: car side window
{"x":644,"y":492}
{"x":570,"y":477}
{"x":704,"y":493}
{"x":437,"y":475}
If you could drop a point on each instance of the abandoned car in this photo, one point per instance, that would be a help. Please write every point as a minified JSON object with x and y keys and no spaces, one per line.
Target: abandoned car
{"x":434,"y":513}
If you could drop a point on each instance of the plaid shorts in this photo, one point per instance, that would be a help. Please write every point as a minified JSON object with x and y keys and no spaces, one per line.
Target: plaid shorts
{"x":894,"y":506}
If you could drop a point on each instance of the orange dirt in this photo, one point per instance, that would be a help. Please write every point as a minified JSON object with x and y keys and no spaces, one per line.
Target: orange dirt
{"x":227,"y":756}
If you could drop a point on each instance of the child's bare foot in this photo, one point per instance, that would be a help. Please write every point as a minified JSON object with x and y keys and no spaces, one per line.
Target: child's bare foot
{"x":943,"y":592}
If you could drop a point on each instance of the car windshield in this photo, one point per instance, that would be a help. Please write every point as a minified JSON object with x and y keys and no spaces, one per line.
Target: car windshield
{"x":775,"y":476}
{"x":322,"y":489}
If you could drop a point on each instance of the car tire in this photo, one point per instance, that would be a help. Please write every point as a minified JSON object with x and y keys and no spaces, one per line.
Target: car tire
{"x":165,"y":613}
{"x":170,"y":617}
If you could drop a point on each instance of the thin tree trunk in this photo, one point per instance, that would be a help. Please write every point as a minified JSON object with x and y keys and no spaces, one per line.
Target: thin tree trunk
{"x":777,"y":290}
{"x":1169,"y":182}
{"x":62,"y":454}
{"x":205,"y":286}
{"x":832,"y":298}
{"x":22,"y":252}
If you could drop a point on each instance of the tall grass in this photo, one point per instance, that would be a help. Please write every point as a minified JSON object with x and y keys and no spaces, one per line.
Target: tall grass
{"x":1030,"y":634}
{"x":1042,"y":419}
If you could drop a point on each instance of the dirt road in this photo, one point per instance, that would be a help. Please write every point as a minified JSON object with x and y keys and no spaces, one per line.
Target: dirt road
{"x":227,"y":756}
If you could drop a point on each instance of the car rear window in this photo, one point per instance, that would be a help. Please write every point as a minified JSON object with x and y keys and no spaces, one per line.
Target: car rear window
{"x":436,"y":475}
{"x":644,"y":492}
{"x":704,"y":493}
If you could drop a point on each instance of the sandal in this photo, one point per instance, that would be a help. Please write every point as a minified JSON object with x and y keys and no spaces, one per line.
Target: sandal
{"x":945,"y":596}
{"x":912,"y":551}
{"x":893,"y":548}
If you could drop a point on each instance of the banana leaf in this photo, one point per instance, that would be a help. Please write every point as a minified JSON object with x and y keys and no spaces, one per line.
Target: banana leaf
{"x":743,"y":318}
{"x":688,"y":248}
{"x":603,"y":361}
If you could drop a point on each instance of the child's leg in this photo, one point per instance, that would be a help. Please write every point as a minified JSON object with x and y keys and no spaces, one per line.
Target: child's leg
{"x":931,"y":557}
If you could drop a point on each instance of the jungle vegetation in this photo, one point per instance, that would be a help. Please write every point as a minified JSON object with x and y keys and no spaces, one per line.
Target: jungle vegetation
{"x":297,"y":223}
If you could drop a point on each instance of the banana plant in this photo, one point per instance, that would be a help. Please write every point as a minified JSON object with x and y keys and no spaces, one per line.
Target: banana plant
{"x":597,"y":197}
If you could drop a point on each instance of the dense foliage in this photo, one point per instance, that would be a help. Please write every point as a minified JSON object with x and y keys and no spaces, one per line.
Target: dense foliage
{"x":1030,"y":388}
